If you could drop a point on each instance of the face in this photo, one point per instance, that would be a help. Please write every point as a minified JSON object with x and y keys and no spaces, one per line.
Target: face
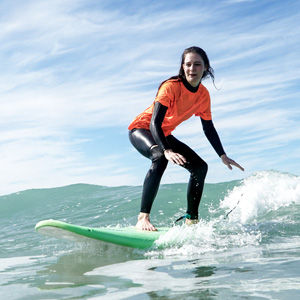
{"x":194,"y":68}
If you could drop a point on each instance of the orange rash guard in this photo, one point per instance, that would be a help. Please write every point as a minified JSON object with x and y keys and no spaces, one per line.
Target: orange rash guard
{"x":181,"y":103}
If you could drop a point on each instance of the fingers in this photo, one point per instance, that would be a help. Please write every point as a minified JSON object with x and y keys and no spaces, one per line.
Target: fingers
{"x":232,"y":162}
{"x":174,"y":157}
{"x":178,"y":159}
{"x":238,"y":166}
{"x":228,"y":166}
{"x":228,"y":162}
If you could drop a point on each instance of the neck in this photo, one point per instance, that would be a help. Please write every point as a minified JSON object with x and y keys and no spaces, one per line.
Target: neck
{"x":191,"y":88}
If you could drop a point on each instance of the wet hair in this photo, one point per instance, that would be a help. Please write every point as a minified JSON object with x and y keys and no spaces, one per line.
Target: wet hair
{"x":209,"y":72}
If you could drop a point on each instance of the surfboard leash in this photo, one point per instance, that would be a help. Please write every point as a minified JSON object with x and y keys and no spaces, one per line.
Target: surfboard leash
{"x":233,"y":208}
{"x":186,"y":216}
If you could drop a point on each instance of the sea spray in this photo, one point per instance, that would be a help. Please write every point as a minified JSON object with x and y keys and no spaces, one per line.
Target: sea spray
{"x":261,"y":193}
{"x":252,"y":210}
{"x":205,"y":237}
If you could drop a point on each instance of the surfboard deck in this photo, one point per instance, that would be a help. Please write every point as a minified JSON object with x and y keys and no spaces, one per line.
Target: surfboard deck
{"x":125,"y":236}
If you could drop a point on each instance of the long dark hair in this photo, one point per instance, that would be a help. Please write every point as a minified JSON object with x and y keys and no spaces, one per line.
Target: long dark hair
{"x":209,"y":72}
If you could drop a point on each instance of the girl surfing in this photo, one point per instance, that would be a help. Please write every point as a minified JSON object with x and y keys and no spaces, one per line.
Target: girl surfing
{"x":177,"y":99}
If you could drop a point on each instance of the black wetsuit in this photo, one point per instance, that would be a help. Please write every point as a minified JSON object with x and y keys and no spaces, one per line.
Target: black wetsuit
{"x":152,"y":144}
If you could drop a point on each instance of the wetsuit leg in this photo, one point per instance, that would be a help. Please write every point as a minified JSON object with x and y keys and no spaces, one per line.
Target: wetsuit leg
{"x":198,"y":170}
{"x":143,"y":141}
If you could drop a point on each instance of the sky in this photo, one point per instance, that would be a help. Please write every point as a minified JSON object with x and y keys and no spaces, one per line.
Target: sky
{"x":74,"y":74}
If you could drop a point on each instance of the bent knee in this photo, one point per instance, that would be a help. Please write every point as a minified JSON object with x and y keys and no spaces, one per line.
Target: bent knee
{"x":201,"y":169}
{"x":157,"y":155}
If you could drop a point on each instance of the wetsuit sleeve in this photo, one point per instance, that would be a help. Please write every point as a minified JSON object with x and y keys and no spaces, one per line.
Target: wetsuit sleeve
{"x":158,"y":115}
{"x":212,"y":136}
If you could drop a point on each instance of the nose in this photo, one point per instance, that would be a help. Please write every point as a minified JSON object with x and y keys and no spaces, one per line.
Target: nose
{"x":193,"y":67}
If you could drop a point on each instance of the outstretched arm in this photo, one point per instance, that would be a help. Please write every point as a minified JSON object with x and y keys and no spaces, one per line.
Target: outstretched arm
{"x":213,"y":137}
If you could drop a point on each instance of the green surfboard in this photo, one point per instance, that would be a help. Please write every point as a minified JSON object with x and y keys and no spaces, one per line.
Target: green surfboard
{"x":126,"y":236}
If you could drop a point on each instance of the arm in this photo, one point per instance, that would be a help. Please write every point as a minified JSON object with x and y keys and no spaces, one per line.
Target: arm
{"x":158,"y":116}
{"x":213,"y":137}
{"x":159,"y":112}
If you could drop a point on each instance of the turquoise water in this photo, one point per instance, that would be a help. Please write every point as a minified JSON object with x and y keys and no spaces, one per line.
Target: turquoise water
{"x":254,"y":253}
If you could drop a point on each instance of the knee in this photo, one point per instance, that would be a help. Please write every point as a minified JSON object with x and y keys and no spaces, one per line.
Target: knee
{"x":157,"y":155}
{"x":201,"y":170}
{"x":159,"y":161}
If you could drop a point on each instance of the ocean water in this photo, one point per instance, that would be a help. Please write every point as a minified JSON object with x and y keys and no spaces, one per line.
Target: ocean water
{"x":246,"y":245}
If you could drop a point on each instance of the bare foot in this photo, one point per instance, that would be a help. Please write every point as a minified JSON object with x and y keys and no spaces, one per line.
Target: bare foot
{"x":143,"y":223}
{"x":191,"y":222}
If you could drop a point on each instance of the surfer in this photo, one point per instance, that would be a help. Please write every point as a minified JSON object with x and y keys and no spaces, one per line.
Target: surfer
{"x":177,"y":99}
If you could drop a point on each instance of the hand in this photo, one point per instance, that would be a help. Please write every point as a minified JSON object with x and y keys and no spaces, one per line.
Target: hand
{"x":174,"y":157}
{"x":228,"y":162}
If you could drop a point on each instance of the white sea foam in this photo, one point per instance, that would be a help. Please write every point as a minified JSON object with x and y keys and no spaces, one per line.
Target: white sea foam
{"x":261,"y":193}
{"x":206,"y":237}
